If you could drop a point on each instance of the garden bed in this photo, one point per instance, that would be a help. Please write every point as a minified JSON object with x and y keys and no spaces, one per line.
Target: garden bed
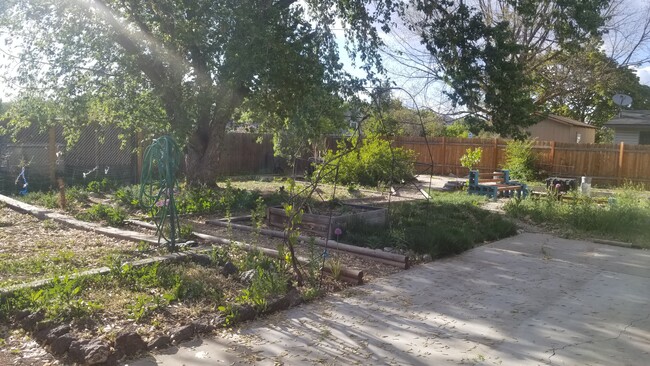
{"x":31,"y":249}
{"x":77,"y":318}
{"x":323,"y":220}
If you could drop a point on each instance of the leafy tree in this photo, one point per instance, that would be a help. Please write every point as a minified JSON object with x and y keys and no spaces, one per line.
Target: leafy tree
{"x":186,"y":67}
{"x":491,"y":54}
{"x":457,"y":129}
{"x":580,"y":85}
{"x":392,"y":118}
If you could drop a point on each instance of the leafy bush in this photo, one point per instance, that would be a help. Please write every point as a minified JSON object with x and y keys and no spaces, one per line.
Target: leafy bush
{"x":521,"y":160}
{"x":374,"y":163}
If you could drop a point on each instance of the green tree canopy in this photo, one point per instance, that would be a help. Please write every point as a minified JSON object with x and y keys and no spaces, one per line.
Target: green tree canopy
{"x":491,"y":54}
{"x":186,"y":67}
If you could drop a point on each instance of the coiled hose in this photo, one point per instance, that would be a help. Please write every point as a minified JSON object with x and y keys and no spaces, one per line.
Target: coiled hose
{"x":158,"y":186}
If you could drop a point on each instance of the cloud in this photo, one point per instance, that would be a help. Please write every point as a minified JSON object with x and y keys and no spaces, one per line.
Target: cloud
{"x":644,"y":74}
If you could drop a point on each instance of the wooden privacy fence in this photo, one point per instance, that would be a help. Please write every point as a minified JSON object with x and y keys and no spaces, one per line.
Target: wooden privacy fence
{"x":605,"y":163}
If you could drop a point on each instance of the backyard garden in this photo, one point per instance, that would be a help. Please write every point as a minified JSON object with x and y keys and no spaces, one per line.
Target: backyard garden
{"x":88,"y":275}
{"x":125,"y":228}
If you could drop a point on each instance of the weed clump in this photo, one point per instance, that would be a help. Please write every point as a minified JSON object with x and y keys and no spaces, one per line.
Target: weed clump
{"x":624,"y":217}
{"x":449,"y":224}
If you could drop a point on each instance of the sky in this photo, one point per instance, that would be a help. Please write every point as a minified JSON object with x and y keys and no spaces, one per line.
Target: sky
{"x":432,"y":99}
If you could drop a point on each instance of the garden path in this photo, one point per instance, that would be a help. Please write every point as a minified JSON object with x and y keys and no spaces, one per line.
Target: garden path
{"x":527,"y":300}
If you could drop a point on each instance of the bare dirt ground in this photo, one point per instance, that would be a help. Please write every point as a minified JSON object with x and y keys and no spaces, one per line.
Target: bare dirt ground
{"x":31,"y":249}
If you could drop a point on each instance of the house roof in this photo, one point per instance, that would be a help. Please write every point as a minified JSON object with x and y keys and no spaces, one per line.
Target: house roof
{"x":631,"y":118}
{"x":567,"y":121}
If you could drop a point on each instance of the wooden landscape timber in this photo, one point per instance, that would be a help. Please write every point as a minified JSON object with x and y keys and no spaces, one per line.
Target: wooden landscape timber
{"x":352,"y":276}
{"x":393,"y":259}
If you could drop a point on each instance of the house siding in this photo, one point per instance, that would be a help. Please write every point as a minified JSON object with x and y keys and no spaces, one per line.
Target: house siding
{"x":630,"y":137}
{"x":551,"y":131}
{"x":548,"y":130}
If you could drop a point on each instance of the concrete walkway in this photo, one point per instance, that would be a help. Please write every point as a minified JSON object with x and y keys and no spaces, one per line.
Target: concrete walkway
{"x":531,"y":299}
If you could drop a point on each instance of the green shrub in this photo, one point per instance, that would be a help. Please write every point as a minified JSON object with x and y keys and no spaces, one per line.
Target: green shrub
{"x":521,"y":160}
{"x":374,"y":163}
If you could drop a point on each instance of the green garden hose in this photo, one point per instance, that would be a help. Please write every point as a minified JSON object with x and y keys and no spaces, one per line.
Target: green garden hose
{"x":158,"y":186}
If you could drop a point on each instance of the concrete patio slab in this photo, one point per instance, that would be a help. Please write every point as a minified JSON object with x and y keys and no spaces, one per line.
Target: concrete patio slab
{"x":528,"y":300}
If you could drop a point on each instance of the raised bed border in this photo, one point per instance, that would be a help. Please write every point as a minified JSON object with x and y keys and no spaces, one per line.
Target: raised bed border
{"x":277,"y":217}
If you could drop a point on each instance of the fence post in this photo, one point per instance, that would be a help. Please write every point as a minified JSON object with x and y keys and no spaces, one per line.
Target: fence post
{"x":444,"y":156}
{"x":496,"y":154}
{"x":51,"y":149}
{"x":619,"y":167}
{"x":552,"y":157}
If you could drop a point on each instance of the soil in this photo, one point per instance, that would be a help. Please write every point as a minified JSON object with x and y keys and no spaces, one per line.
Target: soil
{"x":370,"y":269}
{"x":31,"y":249}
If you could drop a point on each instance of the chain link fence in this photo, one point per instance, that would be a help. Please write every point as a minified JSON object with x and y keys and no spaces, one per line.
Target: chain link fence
{"x":39,"y":158}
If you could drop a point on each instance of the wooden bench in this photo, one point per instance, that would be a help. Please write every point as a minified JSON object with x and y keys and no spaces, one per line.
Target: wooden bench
{"x":495,"y":184}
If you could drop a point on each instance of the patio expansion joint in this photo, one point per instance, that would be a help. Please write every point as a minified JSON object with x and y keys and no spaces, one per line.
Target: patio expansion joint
{"x":632,"y":323}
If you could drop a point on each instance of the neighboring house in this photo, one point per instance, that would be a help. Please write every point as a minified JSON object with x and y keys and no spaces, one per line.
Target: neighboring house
{"x":631,"y":127}
{"x":563,"y":129}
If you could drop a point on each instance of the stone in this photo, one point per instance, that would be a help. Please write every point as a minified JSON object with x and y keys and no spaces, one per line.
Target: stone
{"x":41,"y":335}
{"x":129,"y":343}
{"x":203,"y":326}
{"x":76,"y":352}
{"x":229,"y":269}
{"x":22,"y":314}
{"x":202,"y":259}
{"x":244,"y":313}
{"x":60,"y":345}
{"x":97,"y":351}
{"x":159,"y":342}
{"x":276,"y":305}
{"x":182,"y":333}
{"x":113,"y":359}
{"x":248,"y":276}
{"x":47,"y":335}
{"x":30,"y":321}
{"x":295,"y":297}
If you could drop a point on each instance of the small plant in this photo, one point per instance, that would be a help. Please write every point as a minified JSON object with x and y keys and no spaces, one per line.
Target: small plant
{"x":186,"y":231}
{"x":114,"y":216}
{"x":335,"y":266}
{"x":143,"y":247}
{"x":471,"y":158}
{"x":230,"y":312}
{"x":128,"y":196}
{"x":520,"y":159}
{"x":50,"y":225}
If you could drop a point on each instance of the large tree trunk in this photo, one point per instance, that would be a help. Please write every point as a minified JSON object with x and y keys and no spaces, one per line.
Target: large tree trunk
{"x":202,"y":157}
